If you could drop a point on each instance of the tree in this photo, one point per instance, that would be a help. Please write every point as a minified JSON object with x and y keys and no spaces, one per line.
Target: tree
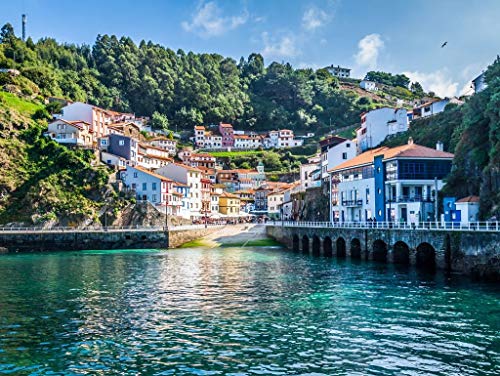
{"x":159,"y":121}
{"x":7,"y":33}
{"x":417,"y":89}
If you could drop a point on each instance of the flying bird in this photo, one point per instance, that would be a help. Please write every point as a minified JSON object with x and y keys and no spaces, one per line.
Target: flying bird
{"x":444,"y":44}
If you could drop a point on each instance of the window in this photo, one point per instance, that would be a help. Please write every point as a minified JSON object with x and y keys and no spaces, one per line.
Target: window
{"x":153,"y":186}
{"x":348,"y":145}
{"x":344,"y":155}
{"x":367,"y":195}
{"x":121,"y":142}
{"x":153,"y":198}
{"x":144,"y":186}
{"x":104,"y":142}
{"x":135,"y":175}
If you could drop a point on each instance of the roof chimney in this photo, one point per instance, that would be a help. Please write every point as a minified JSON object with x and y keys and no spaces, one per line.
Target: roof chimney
{"x":410,"y":141}
{"x":439,"y":146}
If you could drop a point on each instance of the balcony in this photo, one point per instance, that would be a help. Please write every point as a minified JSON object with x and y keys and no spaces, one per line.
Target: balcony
{"x":352,"y":202}
{"x":415,"y":198}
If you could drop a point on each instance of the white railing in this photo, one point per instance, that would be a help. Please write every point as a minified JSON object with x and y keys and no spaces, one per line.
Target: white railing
{"x":61,"y":229}
{"x":492,"y":226}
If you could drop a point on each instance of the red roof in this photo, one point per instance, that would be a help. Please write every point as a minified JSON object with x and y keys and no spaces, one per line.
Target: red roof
{"x":146,"y":171}
{"x":469,"y":199}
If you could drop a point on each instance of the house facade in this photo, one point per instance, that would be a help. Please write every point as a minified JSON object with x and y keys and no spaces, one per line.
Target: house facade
{"x":377,"y":124}
{"x":368,"y":85}
{"x":227,"y":133}
{"x":229,"y":204}
{"x":339,"y":71}
{"x":71,"y":133}
{"x":390,"y":184}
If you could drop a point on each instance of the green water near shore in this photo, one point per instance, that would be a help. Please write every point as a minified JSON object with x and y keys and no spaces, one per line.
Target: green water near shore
{"x":239,"y":311}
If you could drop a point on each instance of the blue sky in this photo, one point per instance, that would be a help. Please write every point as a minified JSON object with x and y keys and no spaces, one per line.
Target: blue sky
{"x":392,"y":35}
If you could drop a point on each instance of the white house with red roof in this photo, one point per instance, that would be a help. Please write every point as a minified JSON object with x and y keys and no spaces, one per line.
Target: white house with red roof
{"x":397,"y":184}
{"x":73,"y":133}
{"x":190,"y":176}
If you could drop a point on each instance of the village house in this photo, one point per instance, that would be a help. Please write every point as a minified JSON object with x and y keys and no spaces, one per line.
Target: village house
{"x":182,"y":191}
{"x":229,"y":204}
{"x":368,"y":85}
{"x":216,"y":191}
{"x":247,"y":199}
{"x":333,"y":151}
{"x":115,"y":148}
{"x":153,"y":157}
{"x":200,"y":160}
{"x":128,"y":129}
{"x":390,"y":184}
{"x":70,"y":133}
{"x":190,"y":176}
{"x":339,"y":71}
{"x":377,"y":124}
{"x":227,"y":133}
{"x":164,"y":143}
{"x":434,"y":107}
{"x":152,"y":187}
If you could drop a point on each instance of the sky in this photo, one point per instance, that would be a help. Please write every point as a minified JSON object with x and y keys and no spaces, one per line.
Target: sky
{"x":397,"y":36}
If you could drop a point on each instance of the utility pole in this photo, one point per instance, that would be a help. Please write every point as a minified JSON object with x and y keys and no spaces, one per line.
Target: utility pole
{"x":23,"y":18}
{"x":436,"y":200}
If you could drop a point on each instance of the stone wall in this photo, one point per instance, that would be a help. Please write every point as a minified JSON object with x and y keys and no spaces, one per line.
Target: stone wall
{"x":473,"y":253}
{"x":178,"y":238}
{"x":74,"y":241}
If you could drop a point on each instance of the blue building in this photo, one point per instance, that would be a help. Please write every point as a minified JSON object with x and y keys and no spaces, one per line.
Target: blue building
{"x":390,"y":184}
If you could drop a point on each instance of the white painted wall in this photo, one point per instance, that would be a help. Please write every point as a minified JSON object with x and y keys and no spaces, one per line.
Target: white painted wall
{"x":377,"y":124}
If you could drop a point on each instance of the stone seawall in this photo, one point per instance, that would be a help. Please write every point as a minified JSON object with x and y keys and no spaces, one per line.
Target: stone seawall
{"x":475,"y":253}
{"x":76,"y":241}
{"x":97,"y":239}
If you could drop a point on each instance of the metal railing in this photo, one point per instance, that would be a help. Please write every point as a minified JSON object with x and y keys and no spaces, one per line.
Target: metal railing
{"x":491,"y":226}
{"x":62,"y":229}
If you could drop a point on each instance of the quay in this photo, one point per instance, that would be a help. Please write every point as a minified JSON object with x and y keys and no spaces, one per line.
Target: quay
{"x":472,"y":250}
{"x":33,"y":239}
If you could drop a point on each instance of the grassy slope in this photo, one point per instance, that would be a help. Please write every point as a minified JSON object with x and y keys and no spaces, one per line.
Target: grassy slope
{"x":40,"y":179}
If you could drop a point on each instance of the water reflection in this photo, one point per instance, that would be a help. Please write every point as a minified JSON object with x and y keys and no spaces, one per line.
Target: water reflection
{"x":235,"y":311}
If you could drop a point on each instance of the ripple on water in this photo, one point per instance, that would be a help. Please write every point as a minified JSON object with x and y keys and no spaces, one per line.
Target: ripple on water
{"x":239,"y":312}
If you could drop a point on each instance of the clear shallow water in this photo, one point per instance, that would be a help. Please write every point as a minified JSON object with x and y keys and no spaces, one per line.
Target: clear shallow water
{"x":239,"y":312}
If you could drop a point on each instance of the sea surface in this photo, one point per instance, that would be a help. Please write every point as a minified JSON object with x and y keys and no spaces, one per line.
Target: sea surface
{"x":239,"y":311}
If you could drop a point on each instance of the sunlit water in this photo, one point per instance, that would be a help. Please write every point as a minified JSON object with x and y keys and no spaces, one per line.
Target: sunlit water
{"x":239,"y":312}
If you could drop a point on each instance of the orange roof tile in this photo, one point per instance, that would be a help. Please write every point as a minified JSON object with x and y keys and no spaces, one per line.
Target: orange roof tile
{"x":469,"y":199}
{"x":146,"y":171}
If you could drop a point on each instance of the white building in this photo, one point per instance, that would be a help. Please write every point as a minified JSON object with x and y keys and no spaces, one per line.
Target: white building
{"x":434,"y":107}
{"x":274,"y":203}
{"x":98,"y":118}
{"x":340,"y":153}
{"x":165,"y":144}
{"x":389,"y":184}
{"x":377,"y":124}
{"x":117,"y":161}
{"x":152,"y":187}
{"x":306,"y":176}
{"x":479,"y":84}
{"x":73,"y":133}
{"x":368,"y":85}
{"x":468,"y":208}
{"x":247,"y":142}
{"x":339,"y":71}
{"x":187,"y":175}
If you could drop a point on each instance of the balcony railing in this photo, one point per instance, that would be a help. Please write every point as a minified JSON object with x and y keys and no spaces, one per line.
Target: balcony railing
{"x":352,"y":202}
{"x":413,"y":198}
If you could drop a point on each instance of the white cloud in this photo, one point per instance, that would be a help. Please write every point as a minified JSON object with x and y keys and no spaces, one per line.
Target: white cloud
{"x":438,"y":81}
{"x":368,"y":51}
{"x":314,"y":18}
{"x":284,"y":46}
{"x":208,"y":21}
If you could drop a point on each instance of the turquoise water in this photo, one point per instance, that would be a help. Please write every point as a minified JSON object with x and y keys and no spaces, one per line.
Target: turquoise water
{"x":239,"y":312}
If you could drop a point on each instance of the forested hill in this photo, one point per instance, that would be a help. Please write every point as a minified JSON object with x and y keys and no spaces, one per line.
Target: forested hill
{"x":191,"y":88}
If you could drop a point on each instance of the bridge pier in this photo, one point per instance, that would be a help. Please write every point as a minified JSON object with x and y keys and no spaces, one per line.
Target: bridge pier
{"x":469,"y":252}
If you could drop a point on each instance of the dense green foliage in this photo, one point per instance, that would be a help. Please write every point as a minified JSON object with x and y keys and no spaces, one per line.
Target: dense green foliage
{"x":42,"y":180}
{"x":388,"y":79}
{"x":472,"y":132}
{"x":184,"y":88}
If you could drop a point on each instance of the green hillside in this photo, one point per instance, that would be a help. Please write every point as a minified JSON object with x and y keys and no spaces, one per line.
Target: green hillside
{"x":191,"y":88}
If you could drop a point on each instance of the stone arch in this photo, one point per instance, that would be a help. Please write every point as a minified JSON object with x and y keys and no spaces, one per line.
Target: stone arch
{"x":401,"y":253}
{"x":295,"y":243}
{"x":426,"y":256}
{"x":327,"y":247}
{"x":356,"y":248}
{"x":316,"y":245}
{"x":341,"y":248}
{"x":379,"y":250}
{"x":305,"y":244}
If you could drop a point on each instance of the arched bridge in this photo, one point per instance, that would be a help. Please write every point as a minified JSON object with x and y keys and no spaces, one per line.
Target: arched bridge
{"x":474,"y":251}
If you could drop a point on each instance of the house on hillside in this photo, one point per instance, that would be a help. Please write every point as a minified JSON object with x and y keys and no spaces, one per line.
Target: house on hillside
{"x":339,"y":71}
{"x":377,"y":124}
{"x":368,"y":85}
{"x":434,"y":107}
{"x":229,"y":204}
{"x":70,"y":133}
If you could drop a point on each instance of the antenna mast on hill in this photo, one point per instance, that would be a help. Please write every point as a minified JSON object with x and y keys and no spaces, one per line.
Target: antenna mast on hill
{"x":24,"y":26}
